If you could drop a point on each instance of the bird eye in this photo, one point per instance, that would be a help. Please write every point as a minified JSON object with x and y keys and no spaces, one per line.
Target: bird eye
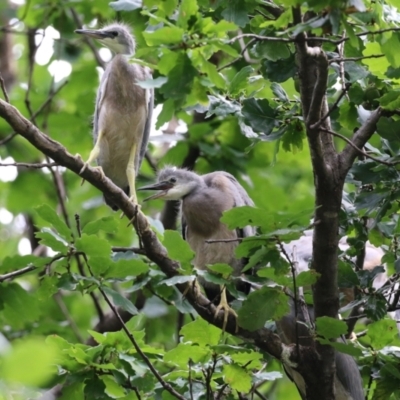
{"x":172,"y":180}
{"x":114,"y":33}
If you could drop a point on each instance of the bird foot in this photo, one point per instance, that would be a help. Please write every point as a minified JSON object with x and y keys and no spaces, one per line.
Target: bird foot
{"x":98,"y":167}
{"x":227,"y":310}
{"x":132,"y":220}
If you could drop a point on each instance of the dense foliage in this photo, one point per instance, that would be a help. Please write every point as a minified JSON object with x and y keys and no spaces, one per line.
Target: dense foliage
{"x":230,"y":72}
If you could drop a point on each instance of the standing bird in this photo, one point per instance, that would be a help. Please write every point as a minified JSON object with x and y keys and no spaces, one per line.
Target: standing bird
{"x":123,"y":111}
{"x":204,"y":199}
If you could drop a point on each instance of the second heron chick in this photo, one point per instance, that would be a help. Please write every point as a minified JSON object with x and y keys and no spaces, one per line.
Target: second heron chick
{"x":123,"y":112}
{"x":204,"y":199}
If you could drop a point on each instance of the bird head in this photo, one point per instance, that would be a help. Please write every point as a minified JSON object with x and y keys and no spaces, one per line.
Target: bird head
{"x":117,"y":37}
{"x":174,"y":184}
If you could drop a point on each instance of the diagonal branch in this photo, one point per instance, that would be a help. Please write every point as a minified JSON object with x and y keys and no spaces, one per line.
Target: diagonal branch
{"x":351,"y":151}
{"x":262,"y":338}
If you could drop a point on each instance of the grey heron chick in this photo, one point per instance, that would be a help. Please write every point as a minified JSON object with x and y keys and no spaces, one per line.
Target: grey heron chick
{"x":123,"y":111}
{"x":204,"y":199}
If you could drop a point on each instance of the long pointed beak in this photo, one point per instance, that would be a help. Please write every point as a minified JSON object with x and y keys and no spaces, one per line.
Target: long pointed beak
{"x":95,"y":34}
{"x":163,"y":188}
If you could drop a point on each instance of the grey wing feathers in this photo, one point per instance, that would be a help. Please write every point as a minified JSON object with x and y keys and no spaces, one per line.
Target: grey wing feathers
{"x":99,"y":101}
{"x":146,"y":132}
{"x":241,"y":198}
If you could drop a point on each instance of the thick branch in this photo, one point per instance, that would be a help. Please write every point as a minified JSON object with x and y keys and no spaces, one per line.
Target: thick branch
{"x":351,"y":151}
{"x":263,"y":338}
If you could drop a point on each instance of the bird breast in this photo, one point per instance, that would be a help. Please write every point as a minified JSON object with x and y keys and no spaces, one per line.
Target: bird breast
{"x":122,"y":117}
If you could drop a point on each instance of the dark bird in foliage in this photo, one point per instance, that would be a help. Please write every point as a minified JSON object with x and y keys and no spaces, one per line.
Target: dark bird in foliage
{"x":348,"y":383}
{"x":204,"y":199}
{"x":123,"y":112}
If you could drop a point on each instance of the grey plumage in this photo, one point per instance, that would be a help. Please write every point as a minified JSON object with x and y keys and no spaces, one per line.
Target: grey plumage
{"x":123,"y":111}
{"x":348,"y":383}
{"x":204,"y":199}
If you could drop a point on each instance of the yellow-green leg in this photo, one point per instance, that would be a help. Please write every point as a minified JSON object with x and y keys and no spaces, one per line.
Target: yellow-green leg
{"x":223,"y":305}
{"x":93,"y":155}
{"x":131,"y":174}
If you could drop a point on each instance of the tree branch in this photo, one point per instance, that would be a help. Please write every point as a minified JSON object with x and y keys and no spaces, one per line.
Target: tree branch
{"x":350,"y":152}
{"x":263,"y":338}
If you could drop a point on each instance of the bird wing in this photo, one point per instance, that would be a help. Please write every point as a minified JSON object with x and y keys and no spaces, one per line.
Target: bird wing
{"x":99,"y":102}
{"x":147,"y":127}
{"x":240,"y":196}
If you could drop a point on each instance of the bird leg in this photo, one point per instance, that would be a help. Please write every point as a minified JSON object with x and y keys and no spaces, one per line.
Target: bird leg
{"x":223,"y":305}
{"x":92,"y":156}
{"x":131,"y":174}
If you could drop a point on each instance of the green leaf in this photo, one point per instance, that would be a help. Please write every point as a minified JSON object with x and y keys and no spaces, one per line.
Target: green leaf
{"x":126,"y":268}
{"x":187,"y":10}
{"x":262,"y":305}
{"x":349,"y":349}
{"x":16,"y":262}
{"x":259,"y":115}
{"x":235,"y":11}
{"x":105,"y":224}
{"x":223,"y":269}
{"x":180,"y":78}
{"x":113,"y":389}
{"x":239,"y":81}
{"x":382,"y":333}
{"x":126,"y":5}
{"x":391,"y":100}
{"x":19,"y":306}
{"x":237,"y":377}
{"x":279,"y":92}
{"x":50,"y":216}
{"x":239,"y":217}
{"x":307,"y":278}
{"x":165,"y":35}
{"x":184,"y":352}
{"x":120,"y":300}
{"x":22,"y":364}
{"x":50,"y":240}
{"x":178,"y":249}
{"x":201,"y":332}
{"x":330,"y":328}
{"x":93,"y":246}
{"x":280,"y":70}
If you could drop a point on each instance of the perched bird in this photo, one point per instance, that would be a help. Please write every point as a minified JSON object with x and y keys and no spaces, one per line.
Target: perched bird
{"x":123,"y":112}
{"x":204,"y":199}
{"x":348,"y":383}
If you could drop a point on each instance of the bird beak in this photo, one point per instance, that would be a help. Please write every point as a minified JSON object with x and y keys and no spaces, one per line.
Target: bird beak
{"x":163,"y":188}
{"x":99,"y":34}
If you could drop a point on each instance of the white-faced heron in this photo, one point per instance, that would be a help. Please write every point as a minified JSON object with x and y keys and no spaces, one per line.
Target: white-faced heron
{"x":204,"y":199}
{"x":123,"y":112}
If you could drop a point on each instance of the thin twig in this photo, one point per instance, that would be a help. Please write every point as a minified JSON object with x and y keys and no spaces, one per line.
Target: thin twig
{"x":47,"y":101}
{"x":14,"y":274}
{"x":89,"y":42}
{"x":7,"y":138}
{"x":244,"y":49}
{"x":335,"y":104}
{"x":309,"y":39}
{"x":3,"y":88}
{"x":388,"y":163}
{"x":30,"y":165}
{"x":294,"y":273}
{"x":135,"y":250}
{"x":61,"y":304}
{"x":96,"y":302}
{"x":346,"y":59}
{"x":223,"y":240}
{"x":163,"y":383}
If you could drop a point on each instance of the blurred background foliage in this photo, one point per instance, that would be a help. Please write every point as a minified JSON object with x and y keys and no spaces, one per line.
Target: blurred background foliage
{"x":223,"y":103}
